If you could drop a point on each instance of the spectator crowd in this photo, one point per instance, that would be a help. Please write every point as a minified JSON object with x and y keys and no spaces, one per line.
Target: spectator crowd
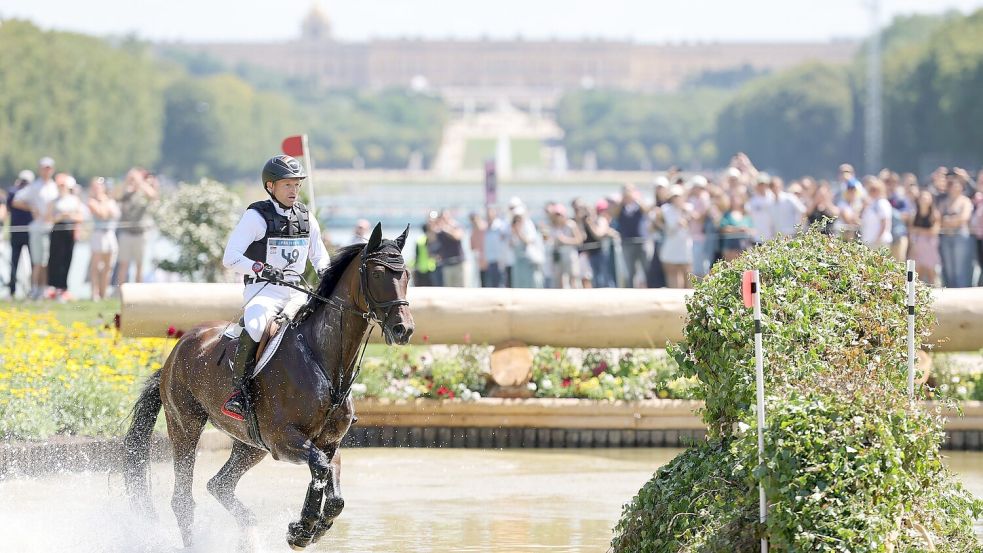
{"x":48,"y":214}
{"x":694,"y":220}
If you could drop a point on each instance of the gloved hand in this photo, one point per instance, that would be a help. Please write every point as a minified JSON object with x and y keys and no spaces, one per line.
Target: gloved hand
{"x":268,"y":272}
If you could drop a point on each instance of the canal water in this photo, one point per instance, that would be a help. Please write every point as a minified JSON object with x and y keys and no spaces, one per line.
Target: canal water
{"x":398,"y":501}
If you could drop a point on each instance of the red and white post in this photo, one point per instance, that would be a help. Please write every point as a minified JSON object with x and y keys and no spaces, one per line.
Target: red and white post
{"x":751,"y":290}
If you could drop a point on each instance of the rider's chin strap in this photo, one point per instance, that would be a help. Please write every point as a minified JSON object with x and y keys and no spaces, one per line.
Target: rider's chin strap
{"x":276,"y":201}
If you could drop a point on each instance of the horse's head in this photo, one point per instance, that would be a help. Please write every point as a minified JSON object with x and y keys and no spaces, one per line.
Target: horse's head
{"x":384,"y":279}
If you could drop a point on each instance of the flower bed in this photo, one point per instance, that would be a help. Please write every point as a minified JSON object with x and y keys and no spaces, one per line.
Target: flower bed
{"x":68,"y":379}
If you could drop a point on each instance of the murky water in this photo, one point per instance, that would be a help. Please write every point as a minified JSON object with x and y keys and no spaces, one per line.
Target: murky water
{"x":398,"y":501}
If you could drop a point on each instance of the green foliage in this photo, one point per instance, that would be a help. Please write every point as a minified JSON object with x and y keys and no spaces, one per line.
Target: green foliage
{"x":833,"y":317}
{"x":849,"y":464}
{"x":198,"y":218}
{"x":624,"y":129}
{"x":96,"y":109}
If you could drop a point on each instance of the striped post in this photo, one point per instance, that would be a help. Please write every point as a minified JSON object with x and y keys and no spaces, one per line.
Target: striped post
{"x":911,"y":330}
{"x":752,"y":294}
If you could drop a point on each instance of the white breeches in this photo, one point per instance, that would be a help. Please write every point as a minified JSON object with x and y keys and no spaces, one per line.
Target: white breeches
{"x":268,"y":302}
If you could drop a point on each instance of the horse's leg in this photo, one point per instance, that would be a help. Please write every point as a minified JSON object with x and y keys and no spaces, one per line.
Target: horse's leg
{"x":299,"y":448}
{"x":333,"y":502}
{"x":223,"y":485}
{"x":184,"y":428}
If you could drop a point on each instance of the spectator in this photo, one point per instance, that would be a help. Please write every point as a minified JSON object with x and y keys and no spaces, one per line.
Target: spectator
{"x":850,"y":207}
{"x":37,"y":198}
{"x":496,"y":243}
{"x":848,"y":179}
{"x":677,"y":245}
{"x":923,"y":231}
{"x":102,"y":243}
{"x":955,"y":242}
{"x":360,"y":234}
{"x":138,"y":194}
{"x":875,"y":219}
{"x":65,"y":215}
{"x":527,"y":249}
{"x":424,"y":266}
{"x":788,"y":210}
{"x":450,"y":251}
{"x":761,"y":208}
{"x":565,"y":236}
{"x":477,"y":243}
{"x":699,"y":201}
{"x":823,"y":210}
{"x":598,"y":243}
{"x":719,"y":205}
{"x":19,"y":220}
{"x":629,"y":221}
{"x":736,"y":227}
{"x":901,"y":205}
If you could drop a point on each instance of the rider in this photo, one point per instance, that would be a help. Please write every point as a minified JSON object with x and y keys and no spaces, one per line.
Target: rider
{"x":272,"y":243}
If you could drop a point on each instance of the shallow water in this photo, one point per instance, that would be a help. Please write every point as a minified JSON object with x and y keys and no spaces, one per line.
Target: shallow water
{"x":398,"y":501}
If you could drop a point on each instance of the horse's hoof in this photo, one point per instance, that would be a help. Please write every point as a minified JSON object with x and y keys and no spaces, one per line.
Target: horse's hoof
{"x":320,"y":529}
{"x":297,"y":537}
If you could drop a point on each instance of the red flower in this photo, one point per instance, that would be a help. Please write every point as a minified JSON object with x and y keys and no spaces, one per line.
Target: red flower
{"x":442,"y":391}
{"x":170,"y":331}
{"x":426,"y":338}
{"x":557,"y":355}
{"x":566,"y":382}
{"x":467,"y":338}
{"x":600,"y":368}
{"x":450,"y":394}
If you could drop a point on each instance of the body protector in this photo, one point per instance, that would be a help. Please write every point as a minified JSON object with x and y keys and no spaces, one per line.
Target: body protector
{"x":287,"y":240}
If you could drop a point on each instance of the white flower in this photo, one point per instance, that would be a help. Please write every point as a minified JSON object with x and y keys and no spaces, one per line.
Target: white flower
{"x":532,"y":386}
{"x":475,"y":395}
{"x":359,"y":388}
{"x":466,"y":394}
{"x":741,"y":427}
{"x":546,"y":384}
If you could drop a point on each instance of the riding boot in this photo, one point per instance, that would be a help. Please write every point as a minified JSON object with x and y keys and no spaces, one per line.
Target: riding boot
{"x":245,"y":358}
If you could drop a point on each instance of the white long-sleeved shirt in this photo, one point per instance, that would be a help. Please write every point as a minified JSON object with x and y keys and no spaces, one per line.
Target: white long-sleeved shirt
{"x":252,"y":227}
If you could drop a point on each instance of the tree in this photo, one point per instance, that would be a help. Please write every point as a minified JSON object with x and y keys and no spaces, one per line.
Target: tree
{"x":792,"y":122}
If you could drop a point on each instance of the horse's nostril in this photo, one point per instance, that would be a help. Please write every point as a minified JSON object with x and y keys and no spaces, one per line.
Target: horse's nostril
{"x":399,"y":330}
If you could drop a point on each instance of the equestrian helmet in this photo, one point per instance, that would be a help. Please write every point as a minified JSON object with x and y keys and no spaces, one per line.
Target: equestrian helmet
{"x":282,"y":167}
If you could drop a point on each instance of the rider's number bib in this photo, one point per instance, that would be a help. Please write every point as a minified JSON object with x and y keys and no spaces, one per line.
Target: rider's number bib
{"x":288,"y":254}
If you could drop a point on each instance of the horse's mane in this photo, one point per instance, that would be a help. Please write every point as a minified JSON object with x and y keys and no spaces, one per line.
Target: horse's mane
{"x":387,"y":252}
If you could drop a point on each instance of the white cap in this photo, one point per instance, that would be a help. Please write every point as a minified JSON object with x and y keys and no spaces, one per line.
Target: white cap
{"x":676,"y":190}
{"x":70,"y":182}
{"x":46,"y":162}
{"x":515,"y":202}
{"x":661,"y":180}
{"x":733,"y":172}
{"x":519,"y":210}
{"x":698,"y":180}
{"x":26,"y":175}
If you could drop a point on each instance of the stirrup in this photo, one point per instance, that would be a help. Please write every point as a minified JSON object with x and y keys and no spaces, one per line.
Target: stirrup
{"x":230,"y":402}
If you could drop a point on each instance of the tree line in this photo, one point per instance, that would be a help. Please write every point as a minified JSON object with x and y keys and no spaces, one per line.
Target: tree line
{"x":101,"y":106}
{"x":806,"y":119}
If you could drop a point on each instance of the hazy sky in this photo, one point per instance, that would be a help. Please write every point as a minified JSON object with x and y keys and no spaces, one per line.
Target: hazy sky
{"x":641,"y":20}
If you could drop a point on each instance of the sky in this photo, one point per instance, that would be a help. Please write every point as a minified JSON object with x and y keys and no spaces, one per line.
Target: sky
{"x":360,"y":20}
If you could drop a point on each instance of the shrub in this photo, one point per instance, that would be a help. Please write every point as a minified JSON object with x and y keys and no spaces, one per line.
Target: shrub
{"x":850,"y":464}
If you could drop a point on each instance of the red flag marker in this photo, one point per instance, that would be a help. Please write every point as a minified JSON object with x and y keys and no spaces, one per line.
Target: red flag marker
{"x":746,"y":281}
{"x":293,"y":146}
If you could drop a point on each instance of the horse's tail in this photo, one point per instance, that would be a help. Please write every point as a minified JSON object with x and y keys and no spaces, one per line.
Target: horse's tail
{"x":136,"y":443}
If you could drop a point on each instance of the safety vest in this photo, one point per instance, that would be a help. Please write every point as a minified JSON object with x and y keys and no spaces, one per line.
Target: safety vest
{"x":287,"y":232}
{"x":424,"y":263}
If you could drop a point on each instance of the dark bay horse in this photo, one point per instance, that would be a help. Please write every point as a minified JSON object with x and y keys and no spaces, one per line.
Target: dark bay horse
{"x":301,"y":398}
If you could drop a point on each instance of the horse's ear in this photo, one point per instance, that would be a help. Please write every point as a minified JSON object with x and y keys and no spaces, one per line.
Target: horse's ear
{"x":401,"y":239}
{"x":375,"y":240}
